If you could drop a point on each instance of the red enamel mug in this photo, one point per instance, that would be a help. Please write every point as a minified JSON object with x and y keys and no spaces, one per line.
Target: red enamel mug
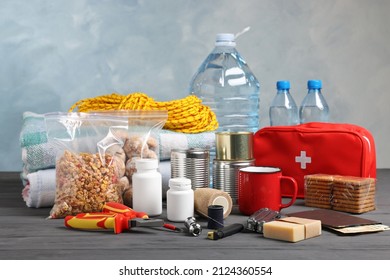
{"x":260,"y":187}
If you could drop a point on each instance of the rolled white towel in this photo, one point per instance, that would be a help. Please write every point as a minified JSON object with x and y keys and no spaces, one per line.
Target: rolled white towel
{"x":40,"y":188}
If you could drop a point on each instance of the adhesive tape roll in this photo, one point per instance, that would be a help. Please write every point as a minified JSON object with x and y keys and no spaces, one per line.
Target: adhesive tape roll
{"x":204,"y":197}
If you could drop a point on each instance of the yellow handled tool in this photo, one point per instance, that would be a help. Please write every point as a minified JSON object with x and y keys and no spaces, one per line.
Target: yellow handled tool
{"x":103,"y":221}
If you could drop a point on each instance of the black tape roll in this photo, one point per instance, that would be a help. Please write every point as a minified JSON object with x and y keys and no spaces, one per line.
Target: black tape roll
{"x":215,"y":216}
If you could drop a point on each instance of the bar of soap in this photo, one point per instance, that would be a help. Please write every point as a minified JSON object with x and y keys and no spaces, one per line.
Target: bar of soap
{"x":312,"y":227}
{"x":284,"y":231}
{"x":292,"y":229}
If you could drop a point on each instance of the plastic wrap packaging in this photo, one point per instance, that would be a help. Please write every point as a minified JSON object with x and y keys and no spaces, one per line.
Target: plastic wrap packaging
{"x":342,"y":193}
{"x":96,"y":156}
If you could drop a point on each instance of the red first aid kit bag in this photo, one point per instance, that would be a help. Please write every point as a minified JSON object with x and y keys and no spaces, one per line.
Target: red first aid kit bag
{"x":312,"y":148}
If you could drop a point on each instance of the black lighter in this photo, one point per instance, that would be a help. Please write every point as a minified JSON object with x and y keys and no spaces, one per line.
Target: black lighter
{"x":225,"y":231}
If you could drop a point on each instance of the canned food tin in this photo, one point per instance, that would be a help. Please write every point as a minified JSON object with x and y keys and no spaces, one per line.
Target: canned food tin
{"x":193,"y":164}
{"x":234,"y":145}
{"x":225,"y":176}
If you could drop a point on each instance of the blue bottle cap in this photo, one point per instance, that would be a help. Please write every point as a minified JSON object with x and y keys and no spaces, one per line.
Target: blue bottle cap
{"x":314,"y":84}
{"x":280,"y":85}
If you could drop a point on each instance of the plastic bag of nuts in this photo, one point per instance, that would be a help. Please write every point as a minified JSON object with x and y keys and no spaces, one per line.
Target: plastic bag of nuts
{"x":84,"y":184}
{"x":91,"y":167}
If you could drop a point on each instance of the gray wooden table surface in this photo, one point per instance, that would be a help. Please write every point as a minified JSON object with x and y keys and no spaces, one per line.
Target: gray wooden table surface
{"x":26,"y":234}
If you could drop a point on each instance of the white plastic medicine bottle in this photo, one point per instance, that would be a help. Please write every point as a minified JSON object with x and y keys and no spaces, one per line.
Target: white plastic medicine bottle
{"x":180,"y":199}
{"x":147,"y":187}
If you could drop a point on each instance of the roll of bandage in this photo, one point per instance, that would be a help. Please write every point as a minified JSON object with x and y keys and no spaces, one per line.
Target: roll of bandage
{"x":204,"y":197}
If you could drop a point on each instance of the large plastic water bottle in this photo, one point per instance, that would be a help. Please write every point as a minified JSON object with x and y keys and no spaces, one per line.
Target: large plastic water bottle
{"x":314,"y":107}
{"x":225,"y":83}
{"x":283,"y":109}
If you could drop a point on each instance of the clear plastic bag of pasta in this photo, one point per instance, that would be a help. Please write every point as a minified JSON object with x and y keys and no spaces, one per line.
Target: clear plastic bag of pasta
{"x":91,"y":164}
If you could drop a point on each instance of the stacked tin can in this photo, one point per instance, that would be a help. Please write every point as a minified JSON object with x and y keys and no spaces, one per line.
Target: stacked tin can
{"x":193,"y":164}
{"x":234,"y":150}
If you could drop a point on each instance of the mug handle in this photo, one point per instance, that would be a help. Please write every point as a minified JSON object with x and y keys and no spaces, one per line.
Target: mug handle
{"x":294,"y":197}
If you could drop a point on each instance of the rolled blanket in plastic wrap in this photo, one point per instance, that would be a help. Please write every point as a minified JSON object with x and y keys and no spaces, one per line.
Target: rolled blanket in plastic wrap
{"x":37,"y":153}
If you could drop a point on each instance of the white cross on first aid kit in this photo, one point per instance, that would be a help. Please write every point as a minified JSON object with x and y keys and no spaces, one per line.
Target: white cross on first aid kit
{"x":303,"y":159}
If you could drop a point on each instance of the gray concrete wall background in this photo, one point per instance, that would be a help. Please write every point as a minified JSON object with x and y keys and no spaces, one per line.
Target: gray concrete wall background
{"x":54,"y":53}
